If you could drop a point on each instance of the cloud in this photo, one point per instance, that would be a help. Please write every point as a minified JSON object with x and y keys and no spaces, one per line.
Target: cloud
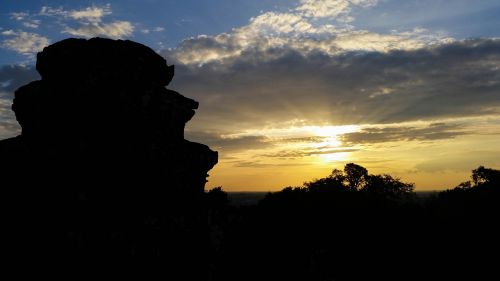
{"x":89,"y":22}
{"x":156,"y":29}
{"x":8,"y":32}
{"x":262,"y":86}
{"x":11,"y":78}
{"x":53,"y":12}
{"x":14,"y":76}
{"x":8,"y":123}
{"x":116,"y":29}
{"x":259,"y":164}
{"x":92,"y":14}
{"x":26,"y":43}
{"x":219,"y":141}
{"x":86,"y":22}
{"x":19,"y":16}
{"x":26,"y":19}
{"x":313,"y":26}
{"x":292,"y":154}
{"x":32,"y":23}
{"x":309,"y":139}
{"x":298,"y":36}
{"x":431,"y":132}
{"x":337,"y":9}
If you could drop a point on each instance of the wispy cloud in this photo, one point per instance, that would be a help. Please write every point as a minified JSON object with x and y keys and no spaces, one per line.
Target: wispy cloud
{"x":156,"y":29}
{"x":430,"y":132}
{"x":92,"y":14}
{"x":26,"y":19}
{"x":89,"y":21}
{"x":85,"y":22}
{"x":116,"y":29}
{"x":87,"y":14}
{"x":335,"y":9}
{"x":219,"y":141}
{"x":22,"y":42}
{"x":292,"y":154}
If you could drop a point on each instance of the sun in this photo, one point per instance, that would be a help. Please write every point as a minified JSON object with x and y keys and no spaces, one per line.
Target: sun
{"x":334,"y":157}
{"x":329,"y":140}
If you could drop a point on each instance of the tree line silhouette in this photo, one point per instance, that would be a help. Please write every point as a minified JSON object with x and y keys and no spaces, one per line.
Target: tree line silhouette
{"x":352,"y":225}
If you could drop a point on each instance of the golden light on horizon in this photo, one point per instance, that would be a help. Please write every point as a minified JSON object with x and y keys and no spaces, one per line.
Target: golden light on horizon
{"x":334,"y":157}
{"x":330,"y":135}
{"x":330,"y":131}
{"x":433,"y":154}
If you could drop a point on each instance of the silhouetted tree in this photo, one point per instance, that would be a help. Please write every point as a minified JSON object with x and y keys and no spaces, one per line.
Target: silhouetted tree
{"x":355,"y":175}
{"x":481,"y":177}
{"x":387,"y":186}
{"x":334,"y":181}
{"x":217,"y":198}
{"x":484,"y":175}
{"x":356,"y":178}
{"x":464,"y":185}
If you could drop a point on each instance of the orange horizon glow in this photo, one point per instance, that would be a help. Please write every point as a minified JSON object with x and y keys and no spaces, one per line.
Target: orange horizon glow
{"x":297,"y":154}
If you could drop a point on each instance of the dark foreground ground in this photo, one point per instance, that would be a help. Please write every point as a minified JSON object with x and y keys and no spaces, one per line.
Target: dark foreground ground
{"x":249,"y":198}
{"x":324,"y":230}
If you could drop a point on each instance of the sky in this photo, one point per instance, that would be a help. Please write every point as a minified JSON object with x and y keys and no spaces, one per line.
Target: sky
{"x":290,"y":90}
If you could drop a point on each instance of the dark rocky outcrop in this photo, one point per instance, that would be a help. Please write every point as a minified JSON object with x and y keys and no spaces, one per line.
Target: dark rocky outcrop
{"x":101,"y":101}
{"x":102,"y":151}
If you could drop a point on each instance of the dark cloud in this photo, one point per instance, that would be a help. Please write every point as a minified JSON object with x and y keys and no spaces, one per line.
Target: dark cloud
{"x":14,"y":76}
{"x":291,"y":154}
{"x":11,"y":78}
{"x":435,"y":131}
{"x":259,"y":164}
{"x":228,"y":144}
{"x":312,"y":139}
{"x":279,"y":84}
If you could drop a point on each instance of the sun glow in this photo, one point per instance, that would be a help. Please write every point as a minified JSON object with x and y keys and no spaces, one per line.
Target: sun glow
{"x":319,"y":145}
{"x":331,"y":131}
{"x":330,"y":140}
{"x":332,"y":157}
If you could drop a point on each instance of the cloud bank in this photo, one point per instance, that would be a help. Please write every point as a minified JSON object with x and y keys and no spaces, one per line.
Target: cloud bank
{"x":280,"y":84}
{"x":313,"y":26}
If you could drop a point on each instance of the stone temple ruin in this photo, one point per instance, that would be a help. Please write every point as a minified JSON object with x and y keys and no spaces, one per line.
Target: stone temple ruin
{"x":102,"y":107}
{"x":102,"y":149}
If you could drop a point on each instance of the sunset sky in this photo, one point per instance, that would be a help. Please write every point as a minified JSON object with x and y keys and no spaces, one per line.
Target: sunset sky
{"x":291,"y":89}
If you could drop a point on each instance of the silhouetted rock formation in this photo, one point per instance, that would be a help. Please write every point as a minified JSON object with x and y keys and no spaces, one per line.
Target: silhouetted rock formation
{"x":102,"y":149}
{"x":102,"y":101}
